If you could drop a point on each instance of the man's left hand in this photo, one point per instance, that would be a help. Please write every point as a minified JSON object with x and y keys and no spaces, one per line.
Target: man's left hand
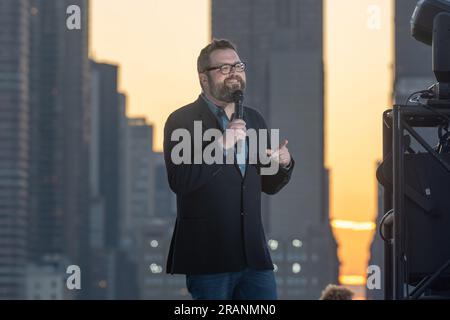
{"x":281,"y":155}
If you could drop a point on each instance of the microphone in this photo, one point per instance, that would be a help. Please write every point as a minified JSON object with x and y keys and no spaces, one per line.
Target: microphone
{"x":238,"y":98}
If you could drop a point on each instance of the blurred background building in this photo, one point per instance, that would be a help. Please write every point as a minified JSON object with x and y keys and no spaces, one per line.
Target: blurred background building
{"x":14,"y":146}
{"x":377,"y":250}
{"x":80,"y":183}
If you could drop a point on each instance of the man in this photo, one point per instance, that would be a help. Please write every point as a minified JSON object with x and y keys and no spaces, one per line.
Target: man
{"x":218,"y":240}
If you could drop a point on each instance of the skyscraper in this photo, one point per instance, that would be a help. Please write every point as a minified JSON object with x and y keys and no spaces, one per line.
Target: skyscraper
{"x":153,"y":242}
{"x":148,"y":192}
{"x":14,"y":146}
{"x":59,"y":93}
{"x":45,"y":72}
{"x":377,"y":251}
{"x":123,"y":164}
{"x":108,"y":131}
{"x":150,"y":215}
{"x":141,"y":186}
{"x":107,"y":175}
{"x":281,"y":41}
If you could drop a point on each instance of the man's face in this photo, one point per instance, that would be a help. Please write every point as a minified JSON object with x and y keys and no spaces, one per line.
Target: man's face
{"x":222,"y":86}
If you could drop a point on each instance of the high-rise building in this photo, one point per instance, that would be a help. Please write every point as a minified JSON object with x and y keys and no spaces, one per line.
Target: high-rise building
{"x":108,"y":179}
{"x":108,"y":163}
{"x":150,"y":215}
{"x":14,"y":146}
{"x":376,"y":259}
{"x":141,"y":189}
{"x":126,"y":279}
{"x":153,"y":242}
{"x":97,"y":206}
{"x":59,"y":104}
{"x":148,"y":193}
{"x":45,"y":76}
{"x":48,"y":282}
{"x":123,"y":165}
{"x":281,"y":42}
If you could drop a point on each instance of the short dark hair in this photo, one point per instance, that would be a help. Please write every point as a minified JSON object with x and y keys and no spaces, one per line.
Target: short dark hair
{"x":203,"y":60}
{"x":334,"y":292}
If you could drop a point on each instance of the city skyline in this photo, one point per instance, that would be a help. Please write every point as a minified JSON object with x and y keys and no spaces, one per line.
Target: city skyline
{"x":87,"y":162}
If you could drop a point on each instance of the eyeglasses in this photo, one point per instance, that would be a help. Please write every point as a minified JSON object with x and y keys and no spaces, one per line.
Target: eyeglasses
{"x":226,"y":68}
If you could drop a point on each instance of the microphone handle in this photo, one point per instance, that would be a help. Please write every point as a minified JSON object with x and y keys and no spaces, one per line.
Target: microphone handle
{"x":239,"y":110}
{"x":239,"y":115}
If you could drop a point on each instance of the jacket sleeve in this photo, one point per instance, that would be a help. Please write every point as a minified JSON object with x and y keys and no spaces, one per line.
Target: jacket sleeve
{"x":185,"y":177}
{"x":271,"y":184}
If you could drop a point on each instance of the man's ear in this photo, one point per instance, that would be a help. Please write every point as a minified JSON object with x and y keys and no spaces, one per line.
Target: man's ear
{"x":203,"y":78}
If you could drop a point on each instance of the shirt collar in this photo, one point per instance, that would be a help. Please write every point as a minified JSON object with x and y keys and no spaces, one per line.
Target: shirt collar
{"x":215,"y":109}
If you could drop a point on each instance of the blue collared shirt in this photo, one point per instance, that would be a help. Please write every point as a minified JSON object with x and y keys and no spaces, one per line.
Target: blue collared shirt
{"x":223,"y":120}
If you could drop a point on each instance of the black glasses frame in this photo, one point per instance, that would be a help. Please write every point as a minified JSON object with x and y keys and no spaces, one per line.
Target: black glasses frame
{"x":233,"y":66}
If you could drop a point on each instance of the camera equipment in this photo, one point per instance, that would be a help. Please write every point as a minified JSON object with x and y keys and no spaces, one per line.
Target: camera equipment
{"x":430,"y":24}
{"x":416,"y":227}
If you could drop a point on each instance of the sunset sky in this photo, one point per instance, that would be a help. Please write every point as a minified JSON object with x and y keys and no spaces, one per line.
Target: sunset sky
{"x":156,"y":43}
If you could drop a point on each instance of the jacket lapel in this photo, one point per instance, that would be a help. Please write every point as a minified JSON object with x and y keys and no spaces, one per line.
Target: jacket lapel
{"x":208,"y":119}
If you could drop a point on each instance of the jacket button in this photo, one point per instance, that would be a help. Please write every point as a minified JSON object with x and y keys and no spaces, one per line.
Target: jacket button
{"x":242,"y":213}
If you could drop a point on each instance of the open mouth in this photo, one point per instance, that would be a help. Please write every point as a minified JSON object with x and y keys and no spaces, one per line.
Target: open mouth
{"x":233,"y":82}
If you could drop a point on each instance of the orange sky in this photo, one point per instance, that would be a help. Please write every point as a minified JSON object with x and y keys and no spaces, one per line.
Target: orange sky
{"x":157,"y":42}
{"x":358,"y":59}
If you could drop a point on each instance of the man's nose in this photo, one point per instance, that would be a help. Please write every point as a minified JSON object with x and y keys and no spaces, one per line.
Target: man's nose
{"x":233,"y":70}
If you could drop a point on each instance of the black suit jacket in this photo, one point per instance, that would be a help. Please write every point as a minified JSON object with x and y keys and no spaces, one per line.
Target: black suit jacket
{"x":218,"y":226}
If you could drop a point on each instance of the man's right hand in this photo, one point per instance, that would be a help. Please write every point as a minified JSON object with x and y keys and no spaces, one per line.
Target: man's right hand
{"x":235,"y":131}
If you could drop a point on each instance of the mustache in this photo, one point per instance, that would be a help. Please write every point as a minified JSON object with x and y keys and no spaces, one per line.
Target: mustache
{"x":235,"y":85}
{"x":235,"y":77}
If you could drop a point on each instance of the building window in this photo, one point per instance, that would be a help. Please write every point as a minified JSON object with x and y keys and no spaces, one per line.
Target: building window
{"x":273,"y":244}
{"x":296,"y":267}
{"x":296,"y":243}
{"x":154,"y":243}
{"x":155,"y":268}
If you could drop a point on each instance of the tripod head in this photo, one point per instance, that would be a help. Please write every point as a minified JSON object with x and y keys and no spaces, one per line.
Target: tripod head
{"x":430,"y":24}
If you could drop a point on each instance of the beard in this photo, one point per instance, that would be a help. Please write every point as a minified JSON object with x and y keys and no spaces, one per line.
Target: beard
{"x":224,"y":91}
